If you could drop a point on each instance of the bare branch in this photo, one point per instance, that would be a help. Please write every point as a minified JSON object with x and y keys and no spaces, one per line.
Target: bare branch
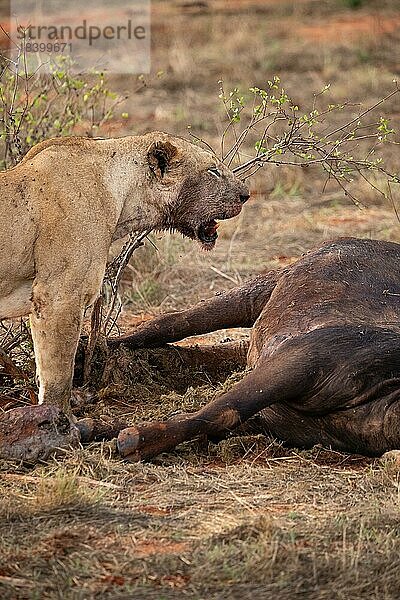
{"x":115,"y":271}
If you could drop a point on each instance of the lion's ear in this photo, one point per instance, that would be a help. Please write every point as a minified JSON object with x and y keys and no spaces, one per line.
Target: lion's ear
{"x":160,"y":156}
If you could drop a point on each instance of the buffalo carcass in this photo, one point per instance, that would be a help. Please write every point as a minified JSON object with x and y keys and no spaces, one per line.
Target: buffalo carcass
{"x":324,"y":355}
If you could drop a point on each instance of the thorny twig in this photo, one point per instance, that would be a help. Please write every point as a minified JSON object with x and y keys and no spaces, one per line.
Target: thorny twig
{"x":104,"y":325}
{"x":332,"y":150}
{"x":114,"y":274}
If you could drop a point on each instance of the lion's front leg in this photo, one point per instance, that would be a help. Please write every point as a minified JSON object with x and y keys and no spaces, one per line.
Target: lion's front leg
{"x":56,"y":322}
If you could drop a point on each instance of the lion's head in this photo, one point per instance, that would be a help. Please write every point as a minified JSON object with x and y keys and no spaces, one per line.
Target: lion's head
{"x":199,"y":189}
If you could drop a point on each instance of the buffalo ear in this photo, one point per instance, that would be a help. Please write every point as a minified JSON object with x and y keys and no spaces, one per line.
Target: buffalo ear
{"x":160,"y":156}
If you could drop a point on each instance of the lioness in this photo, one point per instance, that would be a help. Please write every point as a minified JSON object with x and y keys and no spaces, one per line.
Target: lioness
{"x":68,"y":200}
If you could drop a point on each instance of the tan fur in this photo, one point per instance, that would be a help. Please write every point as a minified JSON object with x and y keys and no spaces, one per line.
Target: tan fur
{"x":64,"y":204}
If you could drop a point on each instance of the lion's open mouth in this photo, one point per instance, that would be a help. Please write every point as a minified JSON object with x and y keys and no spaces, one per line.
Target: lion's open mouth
{"x":207,"y":232}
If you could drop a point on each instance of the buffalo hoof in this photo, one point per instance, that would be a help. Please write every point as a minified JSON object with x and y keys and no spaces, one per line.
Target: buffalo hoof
{"x":34,"y":433}
{"x":144,"y":442}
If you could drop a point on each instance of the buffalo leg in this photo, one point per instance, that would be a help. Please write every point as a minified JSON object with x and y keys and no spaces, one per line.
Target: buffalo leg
{"x":240,"y":307}
{"x":283,"y":376}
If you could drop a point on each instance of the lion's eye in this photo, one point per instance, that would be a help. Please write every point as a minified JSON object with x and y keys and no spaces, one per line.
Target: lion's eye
{"x":214,"y":171}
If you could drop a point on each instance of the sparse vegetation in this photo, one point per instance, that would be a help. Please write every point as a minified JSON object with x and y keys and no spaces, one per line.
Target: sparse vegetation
{"x":282,"y":134}
{"x":38,"y":106}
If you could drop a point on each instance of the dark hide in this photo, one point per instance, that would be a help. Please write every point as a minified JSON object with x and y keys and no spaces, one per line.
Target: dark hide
{"x":324,"y":352}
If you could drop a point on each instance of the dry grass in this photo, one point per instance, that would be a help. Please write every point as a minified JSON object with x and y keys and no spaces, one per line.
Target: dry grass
{"x":239,"y":519}
{"x":313,"y":524}
{"x":247,"y":518}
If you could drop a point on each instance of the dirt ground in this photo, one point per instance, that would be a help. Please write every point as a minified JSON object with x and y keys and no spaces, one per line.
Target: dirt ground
{"x":246,"y":518}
